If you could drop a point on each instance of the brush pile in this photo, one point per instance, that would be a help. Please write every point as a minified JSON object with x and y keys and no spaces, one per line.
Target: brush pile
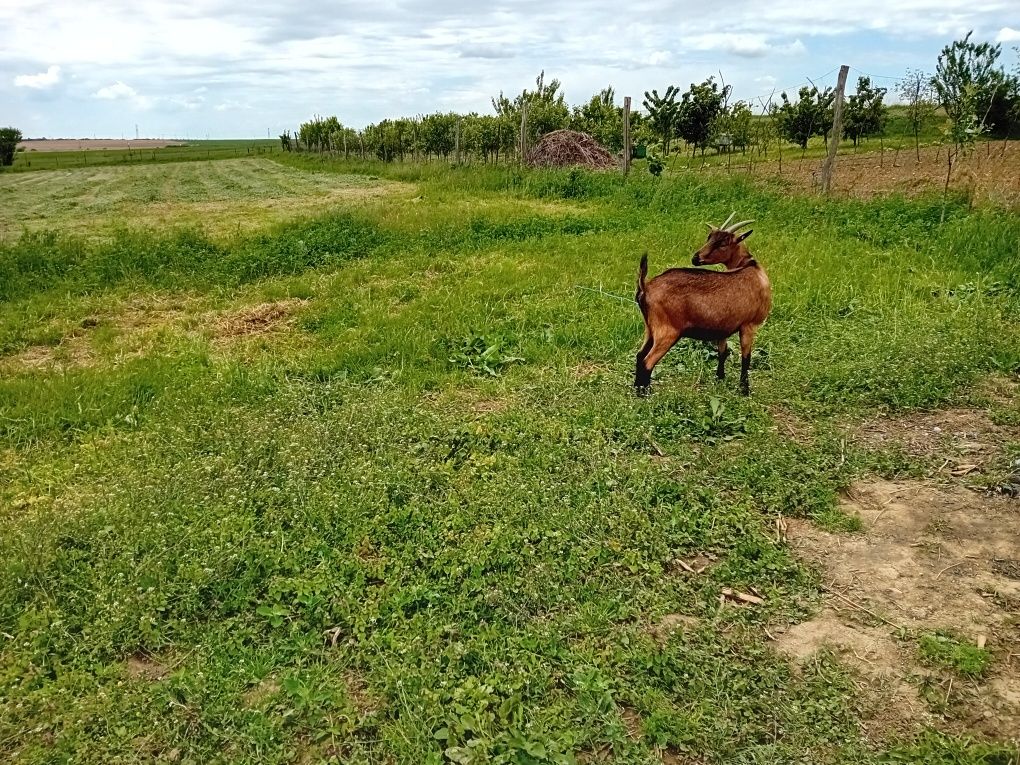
{"x":566,"y":148}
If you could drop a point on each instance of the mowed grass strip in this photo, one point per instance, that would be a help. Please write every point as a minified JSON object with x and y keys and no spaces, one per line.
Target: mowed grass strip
{"x":220,"y":197}
{"x":423,"y":519}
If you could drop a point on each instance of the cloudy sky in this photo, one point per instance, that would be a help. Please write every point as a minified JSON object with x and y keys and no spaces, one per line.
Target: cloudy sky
{"x":240,"y":68}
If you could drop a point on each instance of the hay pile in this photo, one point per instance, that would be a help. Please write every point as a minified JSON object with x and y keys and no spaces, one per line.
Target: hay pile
{"x":563,"y":148}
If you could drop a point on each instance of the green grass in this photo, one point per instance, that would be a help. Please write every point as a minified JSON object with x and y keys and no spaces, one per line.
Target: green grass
{"x":28,"y":160}
{"x":947,"y":650}
{"x":367,"y":537}
{"x":222,"y":198}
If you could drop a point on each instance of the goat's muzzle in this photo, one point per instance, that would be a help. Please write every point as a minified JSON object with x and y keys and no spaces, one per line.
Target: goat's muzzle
{"x":696,"y":260}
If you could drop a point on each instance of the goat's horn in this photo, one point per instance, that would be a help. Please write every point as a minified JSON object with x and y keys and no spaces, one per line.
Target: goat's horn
{"x":737,"y":226}
{"x":710,"y":226}
{"x":727,"y":221}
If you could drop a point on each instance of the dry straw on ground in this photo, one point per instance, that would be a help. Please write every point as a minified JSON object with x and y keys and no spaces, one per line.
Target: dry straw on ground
{"x":567,"y":148}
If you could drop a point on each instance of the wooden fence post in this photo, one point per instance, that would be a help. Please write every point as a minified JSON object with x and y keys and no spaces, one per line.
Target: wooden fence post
{"x":524,"y":131}
{"x":837,"y":130}
{"x":626,"y":135}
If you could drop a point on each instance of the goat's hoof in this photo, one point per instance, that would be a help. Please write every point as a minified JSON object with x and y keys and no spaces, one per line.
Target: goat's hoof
{"x":641,"y":391}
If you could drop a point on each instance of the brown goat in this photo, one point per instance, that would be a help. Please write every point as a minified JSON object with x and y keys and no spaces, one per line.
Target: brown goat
{"x":704,"y":304}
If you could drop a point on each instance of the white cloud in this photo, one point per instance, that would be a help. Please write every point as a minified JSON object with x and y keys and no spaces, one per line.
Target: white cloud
{"x":116,"y":91}
{"x":40,"y":81}
{"x":236,"y":67}
{"x":744,"y":45}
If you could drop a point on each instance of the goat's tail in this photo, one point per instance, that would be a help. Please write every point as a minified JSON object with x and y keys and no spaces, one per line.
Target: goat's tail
{"x":639,"y":298}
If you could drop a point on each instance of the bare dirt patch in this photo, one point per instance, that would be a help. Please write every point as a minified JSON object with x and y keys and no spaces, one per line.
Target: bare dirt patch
{"x":145,"y":667}
{"x":257,"y":695}
{"x":989,"y":174}
{"x":930,"y":558}
{"x":669,"y":624}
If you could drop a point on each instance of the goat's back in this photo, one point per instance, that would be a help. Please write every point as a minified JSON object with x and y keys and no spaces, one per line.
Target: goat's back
{"x":716,"y":301}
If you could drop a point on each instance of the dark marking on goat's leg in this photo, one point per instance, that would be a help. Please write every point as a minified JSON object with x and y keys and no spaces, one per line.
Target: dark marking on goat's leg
{"x":724,"y":352}
{"x":643,"y":375}
{"x":746,"y":343}
{"x":660,"y":346}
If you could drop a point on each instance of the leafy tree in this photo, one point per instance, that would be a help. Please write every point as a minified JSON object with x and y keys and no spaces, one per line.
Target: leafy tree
{"x":739,"y":123}
{"x":810,"y":115}
{"x":968,"y":77}
{"x":316,"y":133}
{"x":438,"y":134}
{"x":546,"y":106}
{"x":662,"y":113}
{"x":865,"y":114}
{"x":285,"y":140}
{"x":919,"y":95}
{"x":700,"y":108}
{"x":601,"y":119}
{"x":9,"y":138}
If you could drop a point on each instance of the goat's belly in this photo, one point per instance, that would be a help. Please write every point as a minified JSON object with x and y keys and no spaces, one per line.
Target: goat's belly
{"x":706,"y":333}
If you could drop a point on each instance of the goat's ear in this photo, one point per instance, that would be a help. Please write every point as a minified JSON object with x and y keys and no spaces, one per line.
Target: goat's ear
{"x":744,"y":236}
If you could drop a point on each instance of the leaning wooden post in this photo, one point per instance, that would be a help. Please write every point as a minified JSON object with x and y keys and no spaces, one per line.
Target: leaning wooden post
{"x":626,"y":135}
{"x":837,"y":130}
{"x":524,"y":131}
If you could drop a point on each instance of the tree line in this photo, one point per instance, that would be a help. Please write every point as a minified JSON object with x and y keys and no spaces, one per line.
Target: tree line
{"x":969,"y":87}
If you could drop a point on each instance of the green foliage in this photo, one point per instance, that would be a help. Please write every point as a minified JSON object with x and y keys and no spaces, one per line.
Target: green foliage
{"x":655,"y":165}
{"x":933,"y":747}
{"x":738,"y":122}
{"x":947,"y":650}
{"x":9,"y":138}
{"x":699,"y":111}
{"x":810,"y":115}
{"x":546,"y":106}
{"x":969,"y":83}
{"x":483,"y":354}
{"x":663,"y":112}
{"x":601,"y":119}
{"x":921,"y":98}
{"x":864,"y":114}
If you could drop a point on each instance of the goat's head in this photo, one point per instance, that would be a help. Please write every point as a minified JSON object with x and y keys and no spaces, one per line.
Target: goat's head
{"x":724,"y":245}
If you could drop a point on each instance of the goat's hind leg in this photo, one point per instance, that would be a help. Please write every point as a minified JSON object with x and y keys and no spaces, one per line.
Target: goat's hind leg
{"x":724,"y":353}
{"x":661,"y":344}
{"x":642,"y":375}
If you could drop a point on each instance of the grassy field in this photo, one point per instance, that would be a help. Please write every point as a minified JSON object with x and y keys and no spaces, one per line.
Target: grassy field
{"x":222,"y":198}
{"x":191,"y":151}
{"x":370,"y":485}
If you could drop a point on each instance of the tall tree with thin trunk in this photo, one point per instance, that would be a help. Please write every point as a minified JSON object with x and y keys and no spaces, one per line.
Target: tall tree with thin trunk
{"x":918,"y":93}
{"x":662,"y":114}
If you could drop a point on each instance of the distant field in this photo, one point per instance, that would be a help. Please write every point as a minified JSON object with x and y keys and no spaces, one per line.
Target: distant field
{"x":63,"y":154}
{"x":220,"y":197}
{"x":92,"y":144}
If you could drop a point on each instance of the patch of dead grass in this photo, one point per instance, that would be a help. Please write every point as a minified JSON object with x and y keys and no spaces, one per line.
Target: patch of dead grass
{"x":256,"y":320}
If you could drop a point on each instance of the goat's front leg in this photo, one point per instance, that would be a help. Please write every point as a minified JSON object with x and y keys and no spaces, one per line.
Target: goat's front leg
{"x":746,"y":343}
{"x":724,"y":352}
